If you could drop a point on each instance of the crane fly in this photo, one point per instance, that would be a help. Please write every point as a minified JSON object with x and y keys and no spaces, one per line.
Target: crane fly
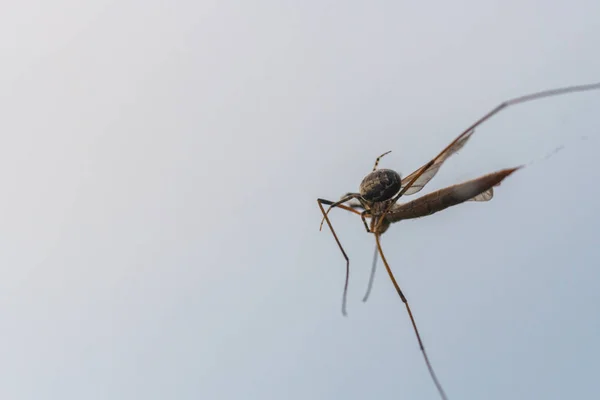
{"x":381,"y":189}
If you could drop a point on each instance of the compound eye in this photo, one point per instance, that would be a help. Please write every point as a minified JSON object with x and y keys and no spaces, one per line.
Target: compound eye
{"x":380,"y":185}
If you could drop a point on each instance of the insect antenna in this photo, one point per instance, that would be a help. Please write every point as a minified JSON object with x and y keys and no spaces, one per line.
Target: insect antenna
{"x":379,"y":158}
{"x":412,"y":320}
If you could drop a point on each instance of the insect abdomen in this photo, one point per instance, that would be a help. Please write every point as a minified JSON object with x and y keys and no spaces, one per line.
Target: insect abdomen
{"x":447,"y":197}
{"x":380,"y":185}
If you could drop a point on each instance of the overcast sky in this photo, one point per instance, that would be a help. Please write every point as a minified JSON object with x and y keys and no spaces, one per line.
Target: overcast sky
{"x":160,"y":165}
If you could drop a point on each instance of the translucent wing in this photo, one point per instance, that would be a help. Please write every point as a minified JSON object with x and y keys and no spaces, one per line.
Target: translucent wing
{"x":433,"y":169}
{"x":485,"y":196}
{"x":460,"y":141}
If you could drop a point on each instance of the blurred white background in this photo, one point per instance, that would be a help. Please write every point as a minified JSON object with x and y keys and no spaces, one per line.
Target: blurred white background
{"x":160,"y":165}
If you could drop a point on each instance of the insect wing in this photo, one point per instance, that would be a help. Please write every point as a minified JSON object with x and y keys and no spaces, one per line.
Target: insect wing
{"x":485,"y":196}
{"x":434,"y":168}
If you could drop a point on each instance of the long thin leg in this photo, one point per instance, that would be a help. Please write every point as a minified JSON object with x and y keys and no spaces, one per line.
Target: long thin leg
{"x":362,"y":216}
{"x":356,"y":205}
{"x":491,"y":113}
{"x":372,"y":277}
{"x":342,"y":206}
{"x":344,"y":295}
{"x":348,"y":208}
{"x":379,"y":158}
{"x":344,"y":199}
{"x":412,"y":320}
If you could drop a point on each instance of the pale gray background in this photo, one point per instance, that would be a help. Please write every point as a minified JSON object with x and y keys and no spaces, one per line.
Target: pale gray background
{"x":160,"y":163}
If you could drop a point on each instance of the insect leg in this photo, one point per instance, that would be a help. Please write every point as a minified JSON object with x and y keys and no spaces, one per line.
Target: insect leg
{"x":344,"y":199}
{"x":372,"y":277}
{"x":362,"y":216}
{"x":412,"y":320}
{"x":342,"y":206}
{"x":350,"y":208}
{"x":345,"y":293}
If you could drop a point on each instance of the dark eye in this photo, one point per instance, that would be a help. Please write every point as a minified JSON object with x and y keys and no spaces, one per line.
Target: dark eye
{"x":380,"y":185}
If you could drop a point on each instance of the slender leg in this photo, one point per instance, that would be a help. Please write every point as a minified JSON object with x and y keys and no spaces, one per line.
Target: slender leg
{"x":356,"y":205}
{"x":344,"y":199}
{"x":344,"y":295}
{"x":412,"y":320}
{"x":348,"y":208}
{"x":362,"y":216}
{"x":372,"y":277}
{"x":342,"y":206}
{"x":379,"y":158}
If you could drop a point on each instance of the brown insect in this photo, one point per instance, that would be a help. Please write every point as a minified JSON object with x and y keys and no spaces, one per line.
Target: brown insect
{"x":381,"y":189}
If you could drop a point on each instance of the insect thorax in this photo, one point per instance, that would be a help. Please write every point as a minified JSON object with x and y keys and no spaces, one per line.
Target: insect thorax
{"x":380,"y":185}
{"x":376,"y":211}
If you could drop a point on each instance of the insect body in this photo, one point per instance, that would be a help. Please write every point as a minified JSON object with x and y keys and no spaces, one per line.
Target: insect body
{"x":380,"y":191}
